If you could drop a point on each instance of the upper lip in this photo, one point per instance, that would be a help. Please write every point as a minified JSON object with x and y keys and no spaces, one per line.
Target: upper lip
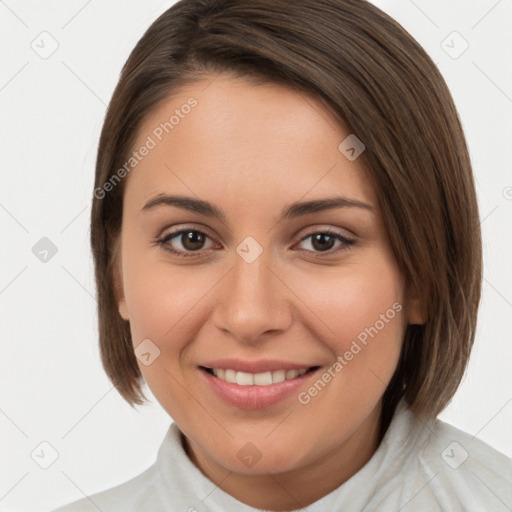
{"x":259,"y":366}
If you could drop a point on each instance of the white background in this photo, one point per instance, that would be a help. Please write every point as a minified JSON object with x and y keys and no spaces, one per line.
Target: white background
{"x":53,"y":386}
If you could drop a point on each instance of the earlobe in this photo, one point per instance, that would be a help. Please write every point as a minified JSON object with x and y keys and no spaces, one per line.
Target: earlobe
{"x":119,"y":294}
{"x":123,"y":310}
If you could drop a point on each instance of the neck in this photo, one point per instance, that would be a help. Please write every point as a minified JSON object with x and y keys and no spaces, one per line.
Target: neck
{"x":301,"y":486}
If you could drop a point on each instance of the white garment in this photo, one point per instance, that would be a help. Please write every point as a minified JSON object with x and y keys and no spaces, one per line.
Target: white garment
{"x":417,"y":467}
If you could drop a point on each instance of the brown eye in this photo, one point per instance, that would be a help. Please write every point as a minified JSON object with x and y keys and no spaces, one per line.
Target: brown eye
{"x":324,"y":241}
{"x":192,"y":240}
{"x":185,"y":241}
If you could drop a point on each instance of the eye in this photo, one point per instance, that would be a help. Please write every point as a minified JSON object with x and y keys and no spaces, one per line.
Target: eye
{"x":323,"y":241}
{"x":190,"y":240}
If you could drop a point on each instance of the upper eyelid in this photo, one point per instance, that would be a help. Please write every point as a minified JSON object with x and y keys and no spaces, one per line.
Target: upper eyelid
{"x":309,"y":230}
{"x":329,"y":230}
{"x":178,"y":231}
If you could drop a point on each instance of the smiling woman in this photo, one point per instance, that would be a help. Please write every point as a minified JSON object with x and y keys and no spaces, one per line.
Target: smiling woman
{"x":294,"y":269}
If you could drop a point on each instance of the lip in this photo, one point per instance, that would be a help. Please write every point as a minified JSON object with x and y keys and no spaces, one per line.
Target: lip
{"x":260,"y":366}
{"x":254,"y":397}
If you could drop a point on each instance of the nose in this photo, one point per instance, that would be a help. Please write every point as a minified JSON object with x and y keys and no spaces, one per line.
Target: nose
{"x":255,"y":303}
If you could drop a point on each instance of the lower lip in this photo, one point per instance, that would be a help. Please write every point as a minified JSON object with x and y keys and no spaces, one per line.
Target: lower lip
{"x":254,"y":397}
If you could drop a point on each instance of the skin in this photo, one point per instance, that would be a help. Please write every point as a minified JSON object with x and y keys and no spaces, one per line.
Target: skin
{"x":251,"y":150}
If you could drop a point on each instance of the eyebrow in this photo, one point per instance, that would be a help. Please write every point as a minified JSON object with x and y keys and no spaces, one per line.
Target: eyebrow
{"x":292,"y":211}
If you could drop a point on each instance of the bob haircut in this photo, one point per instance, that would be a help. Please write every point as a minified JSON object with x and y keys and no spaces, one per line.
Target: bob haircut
{"x":384,"y":88}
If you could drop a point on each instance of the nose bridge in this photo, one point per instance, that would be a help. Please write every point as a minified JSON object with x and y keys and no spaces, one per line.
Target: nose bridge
{"x":253,"y":301}
{"x":250,"y":279}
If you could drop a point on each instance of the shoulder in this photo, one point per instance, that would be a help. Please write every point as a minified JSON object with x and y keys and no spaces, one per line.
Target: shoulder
{"x":463,"y":472}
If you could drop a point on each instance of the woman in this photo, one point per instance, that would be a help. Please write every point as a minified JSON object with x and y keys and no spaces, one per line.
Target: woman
{"x":287,"y":251}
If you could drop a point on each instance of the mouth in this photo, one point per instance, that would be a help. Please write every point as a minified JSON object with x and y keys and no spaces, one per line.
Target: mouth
{"x":268,"y":383}
{"x":257,"y":379}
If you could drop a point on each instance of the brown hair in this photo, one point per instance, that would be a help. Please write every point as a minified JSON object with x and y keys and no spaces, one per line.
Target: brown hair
{"x":381,"y":85}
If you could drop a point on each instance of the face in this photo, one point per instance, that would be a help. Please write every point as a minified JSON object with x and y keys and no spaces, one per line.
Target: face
{"x":267,"y":331}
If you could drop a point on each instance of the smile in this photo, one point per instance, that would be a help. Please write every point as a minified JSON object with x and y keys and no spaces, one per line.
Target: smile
{"x":258,"y":379}
{"x":255,"y":385}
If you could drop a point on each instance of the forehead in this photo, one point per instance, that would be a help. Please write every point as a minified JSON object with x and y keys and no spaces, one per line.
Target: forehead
{"x":227,"y":139}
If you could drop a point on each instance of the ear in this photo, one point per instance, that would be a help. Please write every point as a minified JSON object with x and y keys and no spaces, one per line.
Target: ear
{"x":117,"y":278}
{"x":416,"y":309}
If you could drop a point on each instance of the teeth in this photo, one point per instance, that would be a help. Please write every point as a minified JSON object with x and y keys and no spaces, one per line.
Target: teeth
{"x":258,"y":379}
{"x":278,"y":376}
{"x":244,"y":379}
{"x":230,"y":376}
{"x":263,"y":379}
{"x":292,"y":374}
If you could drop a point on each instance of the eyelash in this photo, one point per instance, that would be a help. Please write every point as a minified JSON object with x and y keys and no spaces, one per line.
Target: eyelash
{"x":162,"y":242}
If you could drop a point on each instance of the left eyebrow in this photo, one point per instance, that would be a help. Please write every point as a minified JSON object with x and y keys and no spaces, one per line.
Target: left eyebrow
{"x":317,"y":205}
{"x":292,"y":211}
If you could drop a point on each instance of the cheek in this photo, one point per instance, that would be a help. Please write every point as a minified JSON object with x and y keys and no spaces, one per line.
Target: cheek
{"x":348,"y":301}
{"x":365,"y":309}
{"x":361,"y":321}
{"x":164,"y":300}
{"x":162,"y":303}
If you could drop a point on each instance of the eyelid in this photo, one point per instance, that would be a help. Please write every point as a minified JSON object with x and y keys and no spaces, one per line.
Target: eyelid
{"x":187,"y":227}
{"x":164,"y":238}
{"x":327,"y":230}
{"x":347,"y":241}
{"x":310,"y":231}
